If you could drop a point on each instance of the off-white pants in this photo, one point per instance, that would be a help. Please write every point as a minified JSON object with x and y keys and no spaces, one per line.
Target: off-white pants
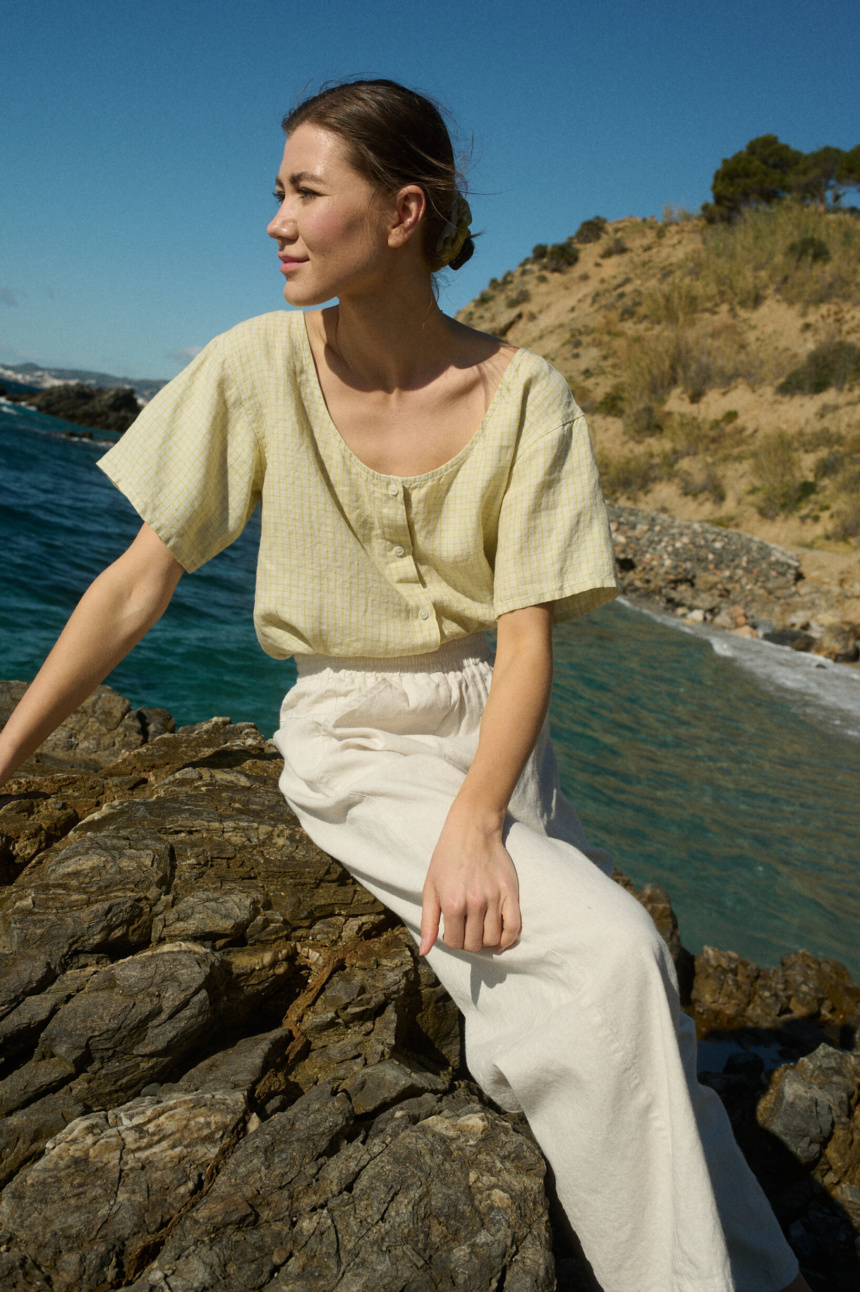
{"x":578,"y":1025}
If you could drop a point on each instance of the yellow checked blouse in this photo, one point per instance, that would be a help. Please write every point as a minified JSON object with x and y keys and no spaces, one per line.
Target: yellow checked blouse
{"x":353,"y":562}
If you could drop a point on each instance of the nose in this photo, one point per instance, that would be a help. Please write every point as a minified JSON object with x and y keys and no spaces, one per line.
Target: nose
{"x":283,"y":225}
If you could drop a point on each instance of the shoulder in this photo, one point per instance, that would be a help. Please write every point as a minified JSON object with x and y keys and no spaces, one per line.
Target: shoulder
{"x":546,"y":400}
{"x":258,"y":337}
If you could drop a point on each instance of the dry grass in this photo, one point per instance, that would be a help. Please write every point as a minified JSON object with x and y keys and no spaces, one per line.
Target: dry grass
{"x":777,"y":471}
{"x":739,"y":264}
{"x":658,"y":341}
{"x":627,"y":474}
{"x":695,"y":355}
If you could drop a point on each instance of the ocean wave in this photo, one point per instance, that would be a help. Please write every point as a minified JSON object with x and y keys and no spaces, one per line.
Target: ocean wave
{"x":813,"y":686}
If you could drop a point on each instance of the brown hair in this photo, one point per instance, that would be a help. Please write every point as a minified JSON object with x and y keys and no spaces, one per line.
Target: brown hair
{"x":393,"y":136}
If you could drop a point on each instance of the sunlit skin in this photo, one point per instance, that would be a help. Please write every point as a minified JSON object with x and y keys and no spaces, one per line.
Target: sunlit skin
{"x":332,"y":230}
{"x":406,"y":386}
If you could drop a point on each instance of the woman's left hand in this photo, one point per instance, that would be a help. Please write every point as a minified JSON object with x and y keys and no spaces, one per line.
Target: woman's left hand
{"x":472,"y":884}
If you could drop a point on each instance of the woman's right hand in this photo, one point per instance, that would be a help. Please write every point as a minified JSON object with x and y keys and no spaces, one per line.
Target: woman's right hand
{"x":117,"y":609}
{"x":472,"y":884}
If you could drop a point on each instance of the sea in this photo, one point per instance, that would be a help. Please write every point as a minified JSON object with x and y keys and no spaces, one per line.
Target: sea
{"x":726,"y":769}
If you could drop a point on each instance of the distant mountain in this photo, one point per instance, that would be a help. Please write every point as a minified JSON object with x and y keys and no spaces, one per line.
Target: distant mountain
{"x":36,"y":378}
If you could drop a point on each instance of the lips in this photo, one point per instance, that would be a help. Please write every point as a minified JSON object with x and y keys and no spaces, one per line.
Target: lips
{"x":290,"y":262}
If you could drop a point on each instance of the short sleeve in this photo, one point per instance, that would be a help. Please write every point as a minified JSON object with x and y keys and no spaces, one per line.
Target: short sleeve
{"x":191,"y":464}
{"x":553,"y":538}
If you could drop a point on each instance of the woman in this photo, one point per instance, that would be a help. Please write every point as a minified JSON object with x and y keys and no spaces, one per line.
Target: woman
{"x":422,"y":482}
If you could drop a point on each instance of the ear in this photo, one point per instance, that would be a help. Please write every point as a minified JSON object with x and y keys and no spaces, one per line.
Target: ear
{"x":409,"y":206}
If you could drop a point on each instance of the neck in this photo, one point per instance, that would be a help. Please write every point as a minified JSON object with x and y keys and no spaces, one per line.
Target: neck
{"x":389,"y":340}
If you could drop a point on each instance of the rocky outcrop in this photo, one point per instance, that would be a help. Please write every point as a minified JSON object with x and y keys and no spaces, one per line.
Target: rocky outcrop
{"x":229,"y":1063}
{"x":105,"y":410}
{"x":707,"y":574}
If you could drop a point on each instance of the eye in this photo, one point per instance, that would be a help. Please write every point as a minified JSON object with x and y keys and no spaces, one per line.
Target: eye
{"x":306,"y":193}
{"x":279,"y":197}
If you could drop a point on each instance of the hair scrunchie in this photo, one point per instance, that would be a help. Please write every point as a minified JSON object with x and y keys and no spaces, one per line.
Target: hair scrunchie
{"x":456,"y":230}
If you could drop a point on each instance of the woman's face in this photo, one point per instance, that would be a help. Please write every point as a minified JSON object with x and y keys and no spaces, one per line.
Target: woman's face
{"x":330,"y":230}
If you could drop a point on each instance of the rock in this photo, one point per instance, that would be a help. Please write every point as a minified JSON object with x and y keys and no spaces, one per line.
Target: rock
{"x":812,"y":1110}
{"x":314,"y":1203}
{"x":133,"y":1021}
{"x":24,"y":1133}
{"x":104,"y":727}
{"x":373,"y":1089}
{"x":838,"y":643}
{"x":95,"y":895}
{"x":124,"y":1174}
{"x":181,"y":966}
{"x":813,"y":995}
{"x":791,"y":637}
{"x":744,"y":631}
{"x":808,"y":1100}
{"x":697,"y":565}
{"x":107,"y":410}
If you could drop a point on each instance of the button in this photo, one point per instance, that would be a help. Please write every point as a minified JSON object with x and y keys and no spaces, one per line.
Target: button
{"x":399,"y":551}
{"x":423,"y":614}
{"x":393,"y":490}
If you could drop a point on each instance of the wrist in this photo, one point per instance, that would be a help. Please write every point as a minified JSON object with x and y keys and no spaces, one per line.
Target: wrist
{"x":482,"y":814}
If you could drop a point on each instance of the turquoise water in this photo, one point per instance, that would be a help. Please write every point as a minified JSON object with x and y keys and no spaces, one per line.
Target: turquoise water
{"x":715,"y":775}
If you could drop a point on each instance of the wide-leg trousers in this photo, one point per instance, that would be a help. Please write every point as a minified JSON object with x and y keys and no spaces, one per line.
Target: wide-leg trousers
{"x":578,"y":1025}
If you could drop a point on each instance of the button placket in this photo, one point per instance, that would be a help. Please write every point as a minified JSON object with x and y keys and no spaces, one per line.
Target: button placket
{"x":400,"y":563}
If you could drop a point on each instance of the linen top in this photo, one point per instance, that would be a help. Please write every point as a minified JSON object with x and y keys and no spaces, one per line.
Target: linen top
{"x":353,"y":562}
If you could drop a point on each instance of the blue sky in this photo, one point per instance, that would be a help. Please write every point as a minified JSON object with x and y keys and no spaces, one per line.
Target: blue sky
{"x":140,"y":141}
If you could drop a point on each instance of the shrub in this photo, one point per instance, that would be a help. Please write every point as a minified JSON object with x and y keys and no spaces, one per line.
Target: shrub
{"x":677,"y":215}
{"x":808,"y":248}
{"x":560,"y":256}
{"x":627,"y":473}
{"x":612,"y":404}
{"x":591,"y":230}
{"x":518,"y":298}
{"x":709,"y":482}
{"x":695,"y":354}
{"x":847,"y":521}
{"x":617,"y":247}
{"x":833,"y":363}
{"x":643,"y":420}
{"x":829,"y":465}
{"x":776,"y":467}
{"x":539,"y":252}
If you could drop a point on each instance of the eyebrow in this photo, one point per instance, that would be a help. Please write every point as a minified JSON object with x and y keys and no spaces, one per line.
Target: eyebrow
{"x":299,"y":176}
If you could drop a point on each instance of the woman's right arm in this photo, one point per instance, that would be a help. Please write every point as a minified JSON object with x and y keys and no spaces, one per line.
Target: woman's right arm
{"x":117,"y":609}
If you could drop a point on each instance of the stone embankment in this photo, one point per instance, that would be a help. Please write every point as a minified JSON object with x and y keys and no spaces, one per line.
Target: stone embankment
{"x":224,"y":1065}
{"x":705,"y":574}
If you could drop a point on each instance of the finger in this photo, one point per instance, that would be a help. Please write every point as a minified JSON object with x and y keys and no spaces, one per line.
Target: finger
{"x":511,"y":923}
{"x":455,"y":928}
{"x":492,"y":926}
{"x":430,"y":913}
{"x":473,"y":939}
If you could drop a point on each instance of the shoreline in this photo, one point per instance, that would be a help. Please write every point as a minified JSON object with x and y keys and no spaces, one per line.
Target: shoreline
{"x":702,"y":574}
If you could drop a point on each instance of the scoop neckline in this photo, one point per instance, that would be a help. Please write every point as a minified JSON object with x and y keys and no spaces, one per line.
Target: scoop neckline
{"x":334,"y":434}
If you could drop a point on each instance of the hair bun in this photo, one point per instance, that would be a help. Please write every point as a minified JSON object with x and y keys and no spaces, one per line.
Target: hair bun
{"x":465,"y":253}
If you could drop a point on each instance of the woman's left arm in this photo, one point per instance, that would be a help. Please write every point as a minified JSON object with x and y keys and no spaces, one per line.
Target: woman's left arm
{"x":471,"y":880}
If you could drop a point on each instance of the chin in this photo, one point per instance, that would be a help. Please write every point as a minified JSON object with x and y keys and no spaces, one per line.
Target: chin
{"x":306,"y":299}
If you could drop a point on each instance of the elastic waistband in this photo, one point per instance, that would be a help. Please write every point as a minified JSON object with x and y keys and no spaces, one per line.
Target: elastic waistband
{"x":452,"y":655}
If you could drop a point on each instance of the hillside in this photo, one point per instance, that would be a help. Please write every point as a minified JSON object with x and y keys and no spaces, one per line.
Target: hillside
{"x":719,"y":367}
